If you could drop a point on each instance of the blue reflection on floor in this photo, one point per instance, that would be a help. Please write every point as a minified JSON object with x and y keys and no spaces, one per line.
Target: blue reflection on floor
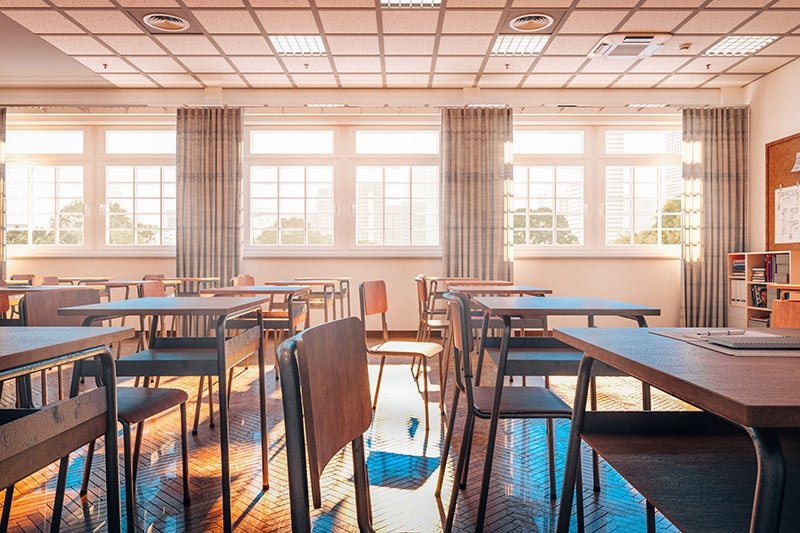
{"x":400,"y":470}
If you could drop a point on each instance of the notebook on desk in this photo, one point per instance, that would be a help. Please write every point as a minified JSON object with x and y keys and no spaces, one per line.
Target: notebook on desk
{"x":742,"y":342}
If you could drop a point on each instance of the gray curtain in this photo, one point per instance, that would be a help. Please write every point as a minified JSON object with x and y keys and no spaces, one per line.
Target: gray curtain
{"x":3,"y":195}
{"x":476,"y":189}
{"x":721,"y":137}
{"x":209,"y":182}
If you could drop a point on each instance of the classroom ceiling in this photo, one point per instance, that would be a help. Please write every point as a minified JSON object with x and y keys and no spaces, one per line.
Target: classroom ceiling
{"x":362,"y":44}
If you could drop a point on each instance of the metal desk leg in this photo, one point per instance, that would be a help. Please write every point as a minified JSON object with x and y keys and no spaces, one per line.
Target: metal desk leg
{"x":770,"y":481}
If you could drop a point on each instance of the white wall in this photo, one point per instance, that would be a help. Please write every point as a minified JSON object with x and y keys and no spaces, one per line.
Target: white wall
{"x":774,"y":114}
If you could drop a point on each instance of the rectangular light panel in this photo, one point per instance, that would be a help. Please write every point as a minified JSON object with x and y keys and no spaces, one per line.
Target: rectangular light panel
{"x":740,"y":45}
{"x":298,"y":45}
{"x":519,"y":45}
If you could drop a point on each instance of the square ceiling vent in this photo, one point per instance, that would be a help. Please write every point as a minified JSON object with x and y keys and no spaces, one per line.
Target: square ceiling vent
{"x":629,"y":45}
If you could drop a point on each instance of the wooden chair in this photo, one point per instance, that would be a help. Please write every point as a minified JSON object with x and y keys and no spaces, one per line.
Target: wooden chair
{"x":243,"y":279}
{"x":375,"y":302}
{"x":325,"y":389}
{"x":49,"y":281}
{"x":134,"y":404}
{"x":517,"y":402}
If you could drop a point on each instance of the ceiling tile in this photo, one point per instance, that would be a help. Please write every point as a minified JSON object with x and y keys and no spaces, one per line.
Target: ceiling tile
{"x":658,"y":64}
{"x":406,"y":80}
{"x":639,"y":80}
{"x":129,"y":80}
{"x":476,"y":3}
{"x":156,"y":64}
{"x":592,"y":21}
{"x":684,"y":80}
{"x":453,"y":80}
{"x":759,"y":65}
{"x":187,"y":44}
{"x":132,"y":44}
{"x":357,"y":64}
{"x":307,"y":64}
{"x":673,"y":3}
{"x":213,"y":3}
{"x":221,"y":80}
{"x":345,"y":3}
{"x":714,"y":21}
{"x":786,"y":4}
{"x":697,"y":43}
{"x":256,"y":63}
{"x":410,"y":21}
{"x":297,"y":22}
{"x":737,"y":3}
{"x":226,"y":21}
{"x":105,"y":21}
{"x":570,"y":45}
{"x":464,"y":45}
{"x":546,"y":80}
{"x":655,"y":20}
{"x":607,"y":3}
{"x":569,"y":64}
{"x":508,"y":65}
{"x":731,"y":80}
{"x":783,"y":46}
{"x":417,"y":45}
{"x":499,"y":80}
{"x":81,"y":3}
{"x":361,"y":80}
{"x":366,"y":45}
{"x":25,"y":3}
{"x":76,"y":44}
{"x":408,"y":64}
{"x":601,"y":64}
{"x":314,"y":80}
{"x":349,"y":21}
{"x":243,"y":44}
{"x":175,"y":80}
{"x":592,"y":80}
{"x":43,"y":21}
{"x":268,"y":80}
{"x":148,"y":3}
{"x":280,"y":3}
{"x":471,"y":21}
{"x":772,"y":22}
{"x":458,"y":64}
{"x":206,"y":64}
{"x":541,"y":3}
{"x":710,"y":65}
{"x":105,"y":64}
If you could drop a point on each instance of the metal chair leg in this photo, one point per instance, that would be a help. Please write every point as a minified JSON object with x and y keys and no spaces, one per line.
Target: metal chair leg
{"x":7,"y":508}
{"x":185,"y":456}
{"x":378,"y":384}
{"x":448,"y":439}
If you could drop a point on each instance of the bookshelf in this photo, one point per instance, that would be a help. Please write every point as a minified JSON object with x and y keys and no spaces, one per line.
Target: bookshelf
{"x":750,"y":278}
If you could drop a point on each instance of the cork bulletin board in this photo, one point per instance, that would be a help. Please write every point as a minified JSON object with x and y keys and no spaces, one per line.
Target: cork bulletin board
{"x":780,"y":159}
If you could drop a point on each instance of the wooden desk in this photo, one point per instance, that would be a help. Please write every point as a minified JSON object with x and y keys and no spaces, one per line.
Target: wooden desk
{"x":83,"y":280}
{"x":290,"y":292}
{"x":508,"y":307}
{"x":326,"y":286}
{"x":699,"y":471}
{"x":342,"y":294}
{"x":34,"y":438}
{"x":499,"y":290}
{"x":190,"y":283}
{"x":195,"y":356}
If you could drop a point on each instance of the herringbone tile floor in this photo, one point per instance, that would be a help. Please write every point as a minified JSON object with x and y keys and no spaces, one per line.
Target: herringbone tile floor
{"x":403,"y":463}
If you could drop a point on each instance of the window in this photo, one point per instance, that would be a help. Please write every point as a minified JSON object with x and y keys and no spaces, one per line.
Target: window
{"x":291,"y":142}
{"x":140,"y":142}
{"x":548,"y":142}
{"x":291,"y":205}
{"x":140,"y":205}
{"x":548,"y":205}
{"x":44,"y":142}
{"x":397,"y":142}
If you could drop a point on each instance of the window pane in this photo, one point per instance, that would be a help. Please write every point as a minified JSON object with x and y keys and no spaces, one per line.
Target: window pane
{"x":291,"y":142}
{"x":548,"y":142}
{"x":548,"y":205}
{"x":44,"y":142}
{"x":397,"y":142}
{"x":140,"y":142}
{"x":397,"y":206}
{"x":644,"y":142}
{"x":140,"y":204}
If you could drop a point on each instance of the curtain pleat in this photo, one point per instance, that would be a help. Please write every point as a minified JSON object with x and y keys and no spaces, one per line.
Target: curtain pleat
{"x":476,"y":185}
{"x":723,"y":134}
{"x":209,"y":182}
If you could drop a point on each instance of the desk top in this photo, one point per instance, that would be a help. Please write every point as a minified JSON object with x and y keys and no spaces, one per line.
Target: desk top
{"x":25,"y":289}
{"x":500,"y":290}
{"x":83,"y":279}
{"x":22,"y":345}
{"x":751,"y":391}
{"x":527,"y":306}
{"x":256,"y":289}
{"x":188,"y":279}
{"x":168,"y":305}
{"x":314,"y":282}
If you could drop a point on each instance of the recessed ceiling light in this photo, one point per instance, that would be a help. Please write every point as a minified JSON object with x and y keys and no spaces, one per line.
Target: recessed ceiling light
{"x":411,"y":3}
{"x":298,"y":45}
{"x":519,"y":45}
{"x":531,"y":22}
{"x":740,"y":45}
{"x":165,"y":22}
{"x":326,"y":105}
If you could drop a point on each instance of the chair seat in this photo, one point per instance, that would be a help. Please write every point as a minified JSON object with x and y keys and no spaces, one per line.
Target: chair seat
{"x":425,"y":349}
{"x":275,"y":314}
{"x":436,"y":323}
{"x":521,"y":402}
{"x":135,"y":404}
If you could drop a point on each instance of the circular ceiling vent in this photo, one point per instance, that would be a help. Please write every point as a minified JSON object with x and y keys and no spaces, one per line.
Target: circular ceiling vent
{"x":531,"y":22}
{"x":164,"y":22}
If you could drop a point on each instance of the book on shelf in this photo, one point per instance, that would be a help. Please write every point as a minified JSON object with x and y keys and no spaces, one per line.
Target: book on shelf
{"x":758,"y":322}
{"x":758,"y":295}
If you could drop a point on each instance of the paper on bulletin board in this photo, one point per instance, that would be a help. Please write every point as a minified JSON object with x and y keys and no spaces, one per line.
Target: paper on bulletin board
{"x":787,"y":214}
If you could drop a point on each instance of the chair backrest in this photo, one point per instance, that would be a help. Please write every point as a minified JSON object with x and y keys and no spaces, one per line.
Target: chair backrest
{"x":50,"y":280}
{"x":27,"y":277}
{"x":41,"y":308}
{"x":153,"y":276}
{"x":463,"y":340}
{"x":5,"y":304}
{"x":152,"y":287}
{"x":422,"y":296}
{"x":325,"y":385}
{"x":243,"y":279}
{"x":374,"y":302}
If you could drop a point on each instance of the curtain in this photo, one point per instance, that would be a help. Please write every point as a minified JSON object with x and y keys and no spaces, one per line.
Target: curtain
{"x":476,"y":192}
{"x":715,"y":184}
{"x":3,"y":193}
{"x":209,"y":182}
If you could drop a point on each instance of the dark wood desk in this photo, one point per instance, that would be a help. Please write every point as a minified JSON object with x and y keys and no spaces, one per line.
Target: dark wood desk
{"x":326,"y":289}
{"x":34,"y":438}
{"x":195,"y":356}
{"x":499,"y":290}
{"x":83,"y":280}
{"x":508,"y":307}
{"x":701,"y":472}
